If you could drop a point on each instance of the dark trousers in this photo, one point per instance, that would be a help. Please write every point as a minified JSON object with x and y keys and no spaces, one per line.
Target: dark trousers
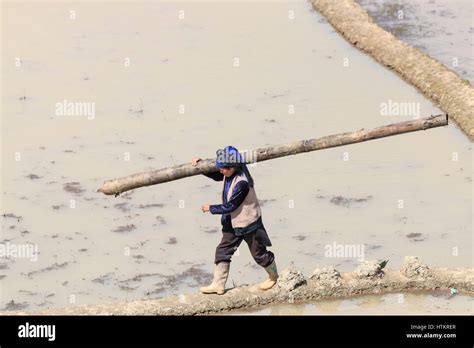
{"x":230,"y":243}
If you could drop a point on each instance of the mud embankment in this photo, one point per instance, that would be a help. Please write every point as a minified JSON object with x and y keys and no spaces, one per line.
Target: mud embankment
{"x":292,"y":287}
{"x":453,"y":95}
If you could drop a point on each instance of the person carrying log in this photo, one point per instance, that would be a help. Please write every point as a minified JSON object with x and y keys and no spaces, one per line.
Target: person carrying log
{"x":241,"y":219}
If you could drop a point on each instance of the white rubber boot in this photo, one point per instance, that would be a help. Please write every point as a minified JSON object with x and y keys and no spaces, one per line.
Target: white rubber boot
{"x":221,"y":272}
{"x":272,"y":277}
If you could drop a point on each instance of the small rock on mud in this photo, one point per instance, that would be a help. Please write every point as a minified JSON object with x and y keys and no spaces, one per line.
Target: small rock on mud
{"x":369,"y":269}
{"x":327,"y":276}
{"x":413,"y":268}
{"x":290,"y":279}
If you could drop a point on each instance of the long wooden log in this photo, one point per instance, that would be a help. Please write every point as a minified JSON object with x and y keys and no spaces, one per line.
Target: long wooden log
{"x":117,"y":186}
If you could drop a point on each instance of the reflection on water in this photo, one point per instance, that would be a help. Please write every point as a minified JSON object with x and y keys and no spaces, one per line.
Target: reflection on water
{"x":402,"y":303}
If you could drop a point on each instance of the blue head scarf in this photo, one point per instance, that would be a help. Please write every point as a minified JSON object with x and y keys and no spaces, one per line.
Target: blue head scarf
{"x":229,"y":157}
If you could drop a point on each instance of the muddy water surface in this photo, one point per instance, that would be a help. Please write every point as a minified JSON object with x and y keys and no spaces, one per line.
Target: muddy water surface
{"x":442,"y":28}
{"x":436,"y":303}
{"x":167,"y":88}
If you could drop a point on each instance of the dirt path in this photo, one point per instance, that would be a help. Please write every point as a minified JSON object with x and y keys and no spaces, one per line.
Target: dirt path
{"x":292,"y":287}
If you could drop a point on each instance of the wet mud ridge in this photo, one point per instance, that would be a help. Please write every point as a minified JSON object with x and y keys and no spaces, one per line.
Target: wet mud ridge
{"x":368,"y":278}
{"x":453,"y":95}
